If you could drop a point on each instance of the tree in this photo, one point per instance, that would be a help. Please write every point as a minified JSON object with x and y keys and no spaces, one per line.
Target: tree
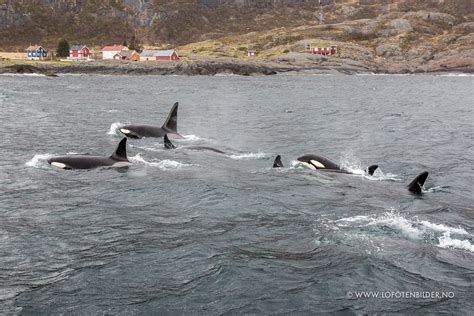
{"x":63,"y":48}
{"x":135,"y":44}
{"x":125,"y":43}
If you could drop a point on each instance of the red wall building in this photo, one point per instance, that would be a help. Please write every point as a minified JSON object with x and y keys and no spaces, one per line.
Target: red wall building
{"x":79,"y":52}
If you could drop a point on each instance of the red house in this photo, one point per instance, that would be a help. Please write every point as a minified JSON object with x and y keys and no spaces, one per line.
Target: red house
{"x":322,"y":50}
{"x":79,"y":52}
{"x":168,"y":55}
{"x":251,"y":52}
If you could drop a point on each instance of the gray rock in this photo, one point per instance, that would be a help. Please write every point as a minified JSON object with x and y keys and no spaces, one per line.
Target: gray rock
{"x":464,"y":27}
{"x":435,"y":17}
{"x":388,"y":50}
{"x":396,"y":27}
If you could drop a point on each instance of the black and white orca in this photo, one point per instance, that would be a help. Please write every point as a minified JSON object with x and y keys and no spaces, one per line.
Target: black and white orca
{"x":315,"y":162}
{"x":117,"y":160}
{"x":169,"y":127}
{"x":320,"y":163}
{"x":169,"y":145}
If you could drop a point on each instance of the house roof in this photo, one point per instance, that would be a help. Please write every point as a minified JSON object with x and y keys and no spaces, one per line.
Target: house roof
{"x":77,"y":47}
{"x":114,"y":48}
{"x":34,"y":47}
{"x":126,"y":53}
{"x":157,"y":53}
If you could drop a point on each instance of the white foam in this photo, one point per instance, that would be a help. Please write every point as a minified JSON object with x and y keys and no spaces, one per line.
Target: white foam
{"x":163,"y":164}
{"x":410,"y":228}
{"x":191,"y":138}
{"x":354,"y":219}
{"x":352,"y":164}
{"x":25,"y":75}
{"x":249,"y":156}
{"x":444,"y":228}
{"x":379,"y":175}
{"x":296,"y":164}
{"x":455,"y":75}
{"x":148,"y":148}
{"x":38,"y":160}
{"x":398,"y":222}
{"x":432,"y":189}
{"x":114,"y":128}
{"x":446,"y":241}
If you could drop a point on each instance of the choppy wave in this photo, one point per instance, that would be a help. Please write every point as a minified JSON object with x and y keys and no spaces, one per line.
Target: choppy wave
{"x":446,"y":241}
{"x":114,"y":129}
{"x":38,"y":161}
{"x":162,"y":164}
{"x":249,"y":156}
{"x":410,"y":228}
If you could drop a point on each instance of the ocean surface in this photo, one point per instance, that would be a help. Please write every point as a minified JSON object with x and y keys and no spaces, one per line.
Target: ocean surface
{"x":193,"y":232}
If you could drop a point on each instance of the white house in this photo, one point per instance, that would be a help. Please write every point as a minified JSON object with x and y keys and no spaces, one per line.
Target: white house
{"x":108,"y":52}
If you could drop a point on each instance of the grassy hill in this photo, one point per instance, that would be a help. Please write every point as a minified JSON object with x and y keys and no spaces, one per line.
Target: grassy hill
{"x":370,"y":32}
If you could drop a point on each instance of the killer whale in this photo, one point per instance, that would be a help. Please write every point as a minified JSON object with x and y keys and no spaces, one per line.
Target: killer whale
{"x":416,"y":186}
{"x":118,"y":159}
{"x":170,"y":126}
{"x":169,"y":145}
{"x":315,"y":162}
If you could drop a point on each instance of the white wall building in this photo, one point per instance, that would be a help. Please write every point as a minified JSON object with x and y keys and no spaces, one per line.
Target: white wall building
{"x":108,"y":52}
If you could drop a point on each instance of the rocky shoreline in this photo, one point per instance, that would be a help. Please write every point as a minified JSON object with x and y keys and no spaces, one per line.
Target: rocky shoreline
{"x":292,"y":63}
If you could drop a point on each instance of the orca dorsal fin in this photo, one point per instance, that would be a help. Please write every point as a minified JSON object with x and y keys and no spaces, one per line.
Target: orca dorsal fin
{"x":120,"y":152}
{"x":277,"y":162}
{"x":417,"y":184}
{"x":371,"y":169}
{"x":168,"y":143}
{"x":171,"y":123}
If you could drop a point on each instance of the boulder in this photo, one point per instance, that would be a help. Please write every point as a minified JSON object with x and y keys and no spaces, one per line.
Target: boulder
{"x":395,"y":27}
{"x":388,"y":50}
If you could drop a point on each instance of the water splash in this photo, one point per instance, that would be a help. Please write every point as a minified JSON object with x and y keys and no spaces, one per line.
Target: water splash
{"x":437,"y":188}
{"x":154,"y":148}
{"x":191,"y":138}
{"x":413,"y":228}
{"x":446,"y":241}
{"x":248,"y":156}
{"x":39,"y":161}
{"x":114,"y":129}
{"x":163,"y":164}
{"x":399,"y":223}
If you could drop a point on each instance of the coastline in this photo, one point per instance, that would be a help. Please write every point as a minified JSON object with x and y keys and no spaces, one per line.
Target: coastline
{"x":215,"y":66}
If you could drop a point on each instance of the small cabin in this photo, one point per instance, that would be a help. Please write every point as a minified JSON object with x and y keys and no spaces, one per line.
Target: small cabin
{"x":79,"y":52}
{"x":251,"y":52}
{"x":159,"y":55}
{"x":36,"y":53}
{"x":127,"y":55}
{"x":109,"y":52}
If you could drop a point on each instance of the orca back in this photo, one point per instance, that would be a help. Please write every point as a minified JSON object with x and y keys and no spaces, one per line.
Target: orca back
{"x":319,"y":162}
{"x":120,"y":152}
{"x":277,"y":162}
{"x":417,"y":184}
{"x":171,"y":123}
{"x":168,"y":144}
